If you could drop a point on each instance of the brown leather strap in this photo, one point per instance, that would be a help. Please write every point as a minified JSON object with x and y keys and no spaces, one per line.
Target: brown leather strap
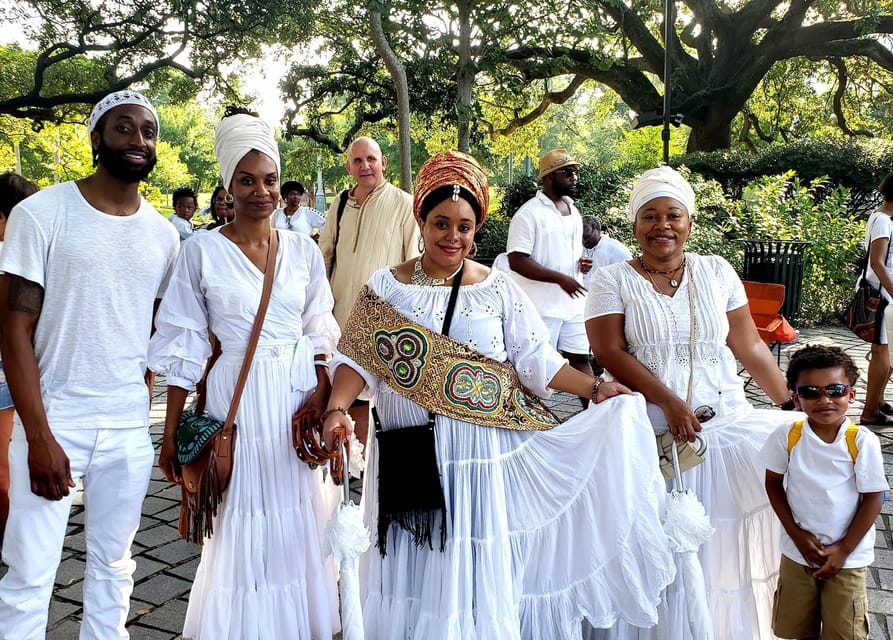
{"x":221,"y":444}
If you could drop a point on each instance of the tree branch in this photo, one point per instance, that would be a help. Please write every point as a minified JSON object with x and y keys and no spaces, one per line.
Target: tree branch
{"x":837,"y":102}
{"x":551,"y":97}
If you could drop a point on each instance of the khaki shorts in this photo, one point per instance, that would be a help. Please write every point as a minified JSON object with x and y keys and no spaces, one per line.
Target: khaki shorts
{"x":805,"y":607}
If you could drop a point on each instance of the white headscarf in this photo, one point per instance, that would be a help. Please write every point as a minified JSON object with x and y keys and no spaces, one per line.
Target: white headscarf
{"x":116,"y":99}
{"x":659,"y":183}
{"x":236,"y":136}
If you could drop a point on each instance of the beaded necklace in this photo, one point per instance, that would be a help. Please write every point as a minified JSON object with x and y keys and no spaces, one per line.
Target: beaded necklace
{"x":670,"y":274}
{"x":420,"y":277}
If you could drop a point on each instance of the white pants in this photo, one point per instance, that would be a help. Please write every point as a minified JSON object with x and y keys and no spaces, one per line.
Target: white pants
{"x":115,"y":465}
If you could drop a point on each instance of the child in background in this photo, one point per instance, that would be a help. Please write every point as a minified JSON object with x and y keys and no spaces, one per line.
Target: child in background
{"x":825,"y":478}
{"x":13,"y":189}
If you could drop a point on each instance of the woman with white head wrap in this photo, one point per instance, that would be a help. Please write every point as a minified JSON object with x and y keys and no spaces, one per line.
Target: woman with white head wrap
{"x":670,"y":324}
{"x":262,"y":573}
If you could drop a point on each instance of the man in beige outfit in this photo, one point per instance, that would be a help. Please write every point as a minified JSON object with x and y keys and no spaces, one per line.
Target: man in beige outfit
{"x":376,"y":229}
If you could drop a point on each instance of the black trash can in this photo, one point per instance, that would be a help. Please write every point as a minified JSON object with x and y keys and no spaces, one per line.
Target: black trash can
{"x":780,"y":262}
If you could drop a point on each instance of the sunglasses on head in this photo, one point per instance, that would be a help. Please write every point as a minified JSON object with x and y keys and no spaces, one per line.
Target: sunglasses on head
{"x":812,"y":392}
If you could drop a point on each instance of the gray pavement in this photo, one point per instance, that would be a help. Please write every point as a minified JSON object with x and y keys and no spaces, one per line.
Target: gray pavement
{"x":166,"y":565}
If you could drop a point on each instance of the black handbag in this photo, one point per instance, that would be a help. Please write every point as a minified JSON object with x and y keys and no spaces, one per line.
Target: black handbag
{"x":861,"y":314}
{"x":866,"y":310}
{"x":409,"y":488}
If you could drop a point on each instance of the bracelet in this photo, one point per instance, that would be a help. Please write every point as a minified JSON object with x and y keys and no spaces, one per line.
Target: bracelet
{"x":788,"y":405}
{"x":595,"y":386}
{"x":328,"y":412}
{"x":321,"y":363}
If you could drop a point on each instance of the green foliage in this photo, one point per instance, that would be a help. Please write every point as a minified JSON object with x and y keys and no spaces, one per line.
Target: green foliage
{"x":491,"y":238}
{"x":858,"y":165}
{"x":190,"y":130}
{"x":170,"y":173}
{"x":787,"y":208}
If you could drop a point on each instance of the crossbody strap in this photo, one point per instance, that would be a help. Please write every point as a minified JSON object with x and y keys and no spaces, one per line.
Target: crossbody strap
{"x":445,"y":330}
{"x":270,"y":268}
{"x":342,"y":202}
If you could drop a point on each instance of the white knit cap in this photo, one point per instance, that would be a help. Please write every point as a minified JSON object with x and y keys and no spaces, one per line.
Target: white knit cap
{"x":236,"y":136}
{"x":116,"y":99}
{"x":663,"y":182}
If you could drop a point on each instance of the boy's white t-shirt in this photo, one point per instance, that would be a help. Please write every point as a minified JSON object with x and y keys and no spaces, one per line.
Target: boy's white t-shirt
{"x":823,"y":485}
{"x":101,"y":275}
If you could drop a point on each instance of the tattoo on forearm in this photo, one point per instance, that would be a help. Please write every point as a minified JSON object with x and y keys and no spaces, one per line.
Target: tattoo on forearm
{"x":24,"y":295}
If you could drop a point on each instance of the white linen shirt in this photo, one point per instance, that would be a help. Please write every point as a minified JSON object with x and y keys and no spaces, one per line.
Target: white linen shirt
{"x":555,"y":241}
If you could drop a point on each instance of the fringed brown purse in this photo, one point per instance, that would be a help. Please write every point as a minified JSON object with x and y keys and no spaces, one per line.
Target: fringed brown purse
{"x":210,"y":445}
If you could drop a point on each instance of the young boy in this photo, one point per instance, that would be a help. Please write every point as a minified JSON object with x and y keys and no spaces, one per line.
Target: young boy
{"x":825,"y":478}
{"x":185,"y":205}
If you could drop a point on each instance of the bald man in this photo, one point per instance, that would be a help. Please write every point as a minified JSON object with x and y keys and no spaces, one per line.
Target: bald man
{"x":368,"y":227}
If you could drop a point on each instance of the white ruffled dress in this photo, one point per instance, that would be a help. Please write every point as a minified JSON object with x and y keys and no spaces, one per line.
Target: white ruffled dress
{"x":741,"y":560}
{"x":263,"y":573}
{"x":544,"y":529}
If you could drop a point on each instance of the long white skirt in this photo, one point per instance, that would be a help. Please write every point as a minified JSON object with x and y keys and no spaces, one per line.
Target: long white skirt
{"x":544,"y":530}
{"x":741,"y":560}
{"x":263,"y":574}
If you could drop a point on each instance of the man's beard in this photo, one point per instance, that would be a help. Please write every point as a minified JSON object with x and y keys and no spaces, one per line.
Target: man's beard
{"x":569,"y":191}
{"x":114,"y":162}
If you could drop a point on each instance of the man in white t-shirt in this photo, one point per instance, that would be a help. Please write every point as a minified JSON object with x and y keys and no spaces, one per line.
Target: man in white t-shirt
{"x":600,"y":248}
{"x":293,"y":216}
{"x":545,"y":247}
{"x":83,"y":264}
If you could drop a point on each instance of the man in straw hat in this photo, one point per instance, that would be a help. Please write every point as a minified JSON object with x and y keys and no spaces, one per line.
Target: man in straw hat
{"x":83,"y":264}
{"x":545,"y":244}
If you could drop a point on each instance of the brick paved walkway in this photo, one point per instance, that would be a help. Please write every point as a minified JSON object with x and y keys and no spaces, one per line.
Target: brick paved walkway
{"x":166,"y":565}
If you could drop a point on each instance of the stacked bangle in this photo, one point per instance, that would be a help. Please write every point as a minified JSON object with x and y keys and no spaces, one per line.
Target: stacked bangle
{"x":595,"y":386}
{"x":321,"y":363}
{"x":328,"y":412}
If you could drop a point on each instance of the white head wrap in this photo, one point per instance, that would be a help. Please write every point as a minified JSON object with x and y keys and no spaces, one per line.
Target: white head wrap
{"x":659,"y":183}
{"x":116,"y":99}
{"x":236,"y":136}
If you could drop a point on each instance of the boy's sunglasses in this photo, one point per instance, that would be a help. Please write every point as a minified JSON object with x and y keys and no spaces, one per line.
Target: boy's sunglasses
{"x":812,"y":392}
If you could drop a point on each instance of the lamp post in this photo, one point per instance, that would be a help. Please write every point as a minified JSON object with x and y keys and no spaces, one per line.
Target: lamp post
{"x":320,"y":190}
{"x":669,"y":21}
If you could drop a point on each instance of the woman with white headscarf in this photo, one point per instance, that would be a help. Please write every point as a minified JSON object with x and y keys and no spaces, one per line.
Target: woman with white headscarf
{"x":670,"y":325}
{"x":262,"y":573}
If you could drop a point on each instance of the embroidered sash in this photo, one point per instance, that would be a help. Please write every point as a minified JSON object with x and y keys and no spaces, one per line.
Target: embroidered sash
{"x":437,"y":372}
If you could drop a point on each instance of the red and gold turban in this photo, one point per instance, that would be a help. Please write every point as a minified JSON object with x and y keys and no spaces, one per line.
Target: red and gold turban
{"x":447,"y":169}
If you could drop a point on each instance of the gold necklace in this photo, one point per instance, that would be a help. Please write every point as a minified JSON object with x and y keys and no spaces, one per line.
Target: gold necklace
{"x":670,"y":274}
{"x":421,"y":278}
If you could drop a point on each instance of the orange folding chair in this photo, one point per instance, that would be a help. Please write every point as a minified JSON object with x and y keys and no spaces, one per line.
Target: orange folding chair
{"x":765,"y":300}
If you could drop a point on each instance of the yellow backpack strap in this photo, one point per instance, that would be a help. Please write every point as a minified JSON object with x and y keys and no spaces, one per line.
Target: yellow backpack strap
{"x":794,"y":435}
{"x":850,"y":437}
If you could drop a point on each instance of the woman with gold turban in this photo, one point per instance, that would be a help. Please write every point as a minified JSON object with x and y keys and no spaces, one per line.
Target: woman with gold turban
{"x":671,"y":324}
{"x":263,"y":572}
{"x":493,"y":520}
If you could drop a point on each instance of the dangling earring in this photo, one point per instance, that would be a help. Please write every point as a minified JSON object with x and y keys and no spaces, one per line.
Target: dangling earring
{"x":421,"y":244}
{"x":474,"y":249}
